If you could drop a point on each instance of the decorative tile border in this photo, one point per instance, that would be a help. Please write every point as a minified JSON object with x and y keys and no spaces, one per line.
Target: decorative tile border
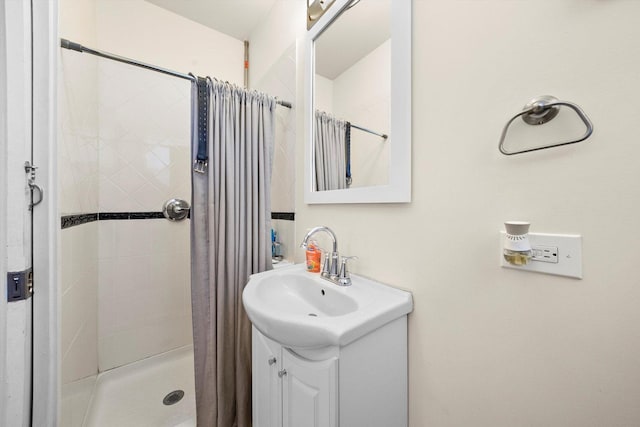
{"x":104,"y":216}
{"x":130,"y":215}
{"x":287,"y":216}
{"x":67,"y":221}
{"x":73,"y":220}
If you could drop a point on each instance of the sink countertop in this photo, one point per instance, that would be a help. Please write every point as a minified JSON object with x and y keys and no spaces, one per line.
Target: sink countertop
{"x":301,"y":310}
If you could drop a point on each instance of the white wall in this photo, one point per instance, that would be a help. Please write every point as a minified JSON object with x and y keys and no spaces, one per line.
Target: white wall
{"x":273,"y":53}
{"x":15,"y":140}
{"x":280,"y":81}
{"x":496,"y":347}
{"x":361,"y":95}
{"x":148,"y":33}
{"x":323,"y":93}
{"x":269,"y":40}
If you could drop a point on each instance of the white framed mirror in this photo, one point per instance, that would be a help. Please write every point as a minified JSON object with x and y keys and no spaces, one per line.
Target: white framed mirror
{"x":357,"y":109}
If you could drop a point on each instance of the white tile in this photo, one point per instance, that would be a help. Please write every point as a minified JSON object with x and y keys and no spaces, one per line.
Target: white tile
{"x":131,"y":274}
{"x":84,"y":252}
{"x":132,"y":238}
{"x":152,"y":164}
{"x":128,"y":179}
{"x":87,"y":194}
{"x":137,"y":343}
{"x":75,"y":400}
{"x":107,"y":276}
{"x":107,"y":239}
{"x":162,"y":153}
{"x":109,"y":319}
{"x":69,"y":324}
{"x":110,"y":162}
{"x":169,"y":236}
{"x":82,"y":358}
{"x":66,"y":258}
{"x":150,"y":198}
{"x":113,"y":198}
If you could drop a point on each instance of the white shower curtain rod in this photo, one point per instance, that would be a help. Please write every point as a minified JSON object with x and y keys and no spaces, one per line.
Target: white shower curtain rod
{"x":67,"y":44}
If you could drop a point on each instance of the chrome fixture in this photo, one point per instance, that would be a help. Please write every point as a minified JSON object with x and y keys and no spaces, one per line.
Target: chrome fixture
{"x":175,"y":209}
{"x":539,"y":111}
{"x":30,"y":170}
{"x":344,"y":278}
{"x":330,"y":269}
{"x":353,"y":3}
{"x":173,"y":397}
{"x":68,"y":44}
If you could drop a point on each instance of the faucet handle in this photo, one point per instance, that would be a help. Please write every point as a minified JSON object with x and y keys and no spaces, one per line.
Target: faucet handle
{"x":344,"y":278}
{"x":326,"y":263}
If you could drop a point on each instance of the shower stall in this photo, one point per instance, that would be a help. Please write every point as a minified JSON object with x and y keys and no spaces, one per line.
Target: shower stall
{"x":124,"y":140}
{"x":124,"y":150}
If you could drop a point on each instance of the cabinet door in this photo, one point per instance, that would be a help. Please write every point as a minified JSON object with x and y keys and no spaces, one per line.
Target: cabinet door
{"x":309,"y":391}
{"x":266,"y":385}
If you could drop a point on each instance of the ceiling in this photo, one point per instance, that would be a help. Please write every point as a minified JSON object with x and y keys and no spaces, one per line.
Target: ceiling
{"x":352,"y":36}
{"x":355,"y":34}
{"x":236,"y":18}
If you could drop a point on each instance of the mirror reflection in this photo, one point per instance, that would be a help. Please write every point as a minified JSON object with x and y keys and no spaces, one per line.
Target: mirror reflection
{"x":352,"y":91}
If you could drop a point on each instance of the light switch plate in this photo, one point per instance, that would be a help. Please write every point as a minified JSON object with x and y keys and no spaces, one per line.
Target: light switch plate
{"x":569,"y":255}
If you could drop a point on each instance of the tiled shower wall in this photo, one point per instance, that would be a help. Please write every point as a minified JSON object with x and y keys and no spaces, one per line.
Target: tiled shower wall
{"x":144,"y":138}
{"x":124,"y":147}
{"x":280,"y":81}
{"x":144,"y":287}
{"x":78,"y":166}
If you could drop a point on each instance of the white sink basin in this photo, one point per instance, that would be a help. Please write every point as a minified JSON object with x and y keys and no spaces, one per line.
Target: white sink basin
{"x":301,"y":310}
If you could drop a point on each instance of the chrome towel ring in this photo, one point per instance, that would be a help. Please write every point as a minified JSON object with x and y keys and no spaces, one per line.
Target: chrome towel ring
{"x":541,"y":110}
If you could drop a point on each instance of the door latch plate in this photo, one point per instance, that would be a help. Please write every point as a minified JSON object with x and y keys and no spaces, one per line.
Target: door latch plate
{"x":19,"y":285}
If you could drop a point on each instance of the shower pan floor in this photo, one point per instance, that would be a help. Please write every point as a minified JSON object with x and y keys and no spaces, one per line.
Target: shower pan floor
{"x":132,"y":395}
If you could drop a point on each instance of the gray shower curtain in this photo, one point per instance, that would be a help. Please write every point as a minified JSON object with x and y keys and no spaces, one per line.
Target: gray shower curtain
{"x":330,"y":151}
{"x":230,"y":239}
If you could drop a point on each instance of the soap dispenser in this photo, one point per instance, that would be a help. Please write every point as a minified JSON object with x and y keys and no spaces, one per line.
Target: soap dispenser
{"x":313,"y":255}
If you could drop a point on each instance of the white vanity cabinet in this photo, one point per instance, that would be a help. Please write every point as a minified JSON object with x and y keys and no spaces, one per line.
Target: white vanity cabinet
{"x":266,"y":385}
{"x":363,"y":383}
{"x":289,"y":390}
{"x":309,"y":392}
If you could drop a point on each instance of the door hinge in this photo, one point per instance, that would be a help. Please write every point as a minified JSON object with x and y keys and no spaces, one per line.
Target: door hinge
{"x":19,"y":285}
{"x":30,"y":170}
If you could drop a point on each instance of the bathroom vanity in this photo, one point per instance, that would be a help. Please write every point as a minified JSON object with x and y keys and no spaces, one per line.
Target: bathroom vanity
{"x":324,"y":355}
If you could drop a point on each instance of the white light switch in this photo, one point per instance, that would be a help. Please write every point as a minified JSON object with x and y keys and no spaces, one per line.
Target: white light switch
{"x":557,"y":254}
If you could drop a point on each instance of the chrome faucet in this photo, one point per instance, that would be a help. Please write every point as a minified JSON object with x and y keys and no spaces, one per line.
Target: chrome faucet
{"x":330,"y":269}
